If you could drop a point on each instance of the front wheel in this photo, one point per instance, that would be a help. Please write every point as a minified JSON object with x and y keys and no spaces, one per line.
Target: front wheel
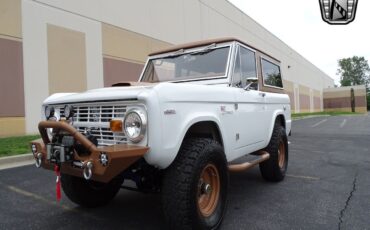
{"x":274,"y":169}
{"x":194,"y":187}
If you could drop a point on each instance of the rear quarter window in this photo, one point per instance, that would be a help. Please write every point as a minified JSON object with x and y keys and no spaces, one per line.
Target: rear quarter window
{"x":271,"y":74}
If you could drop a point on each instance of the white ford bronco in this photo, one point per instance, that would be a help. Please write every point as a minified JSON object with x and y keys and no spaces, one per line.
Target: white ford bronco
{"x":198,"y":112}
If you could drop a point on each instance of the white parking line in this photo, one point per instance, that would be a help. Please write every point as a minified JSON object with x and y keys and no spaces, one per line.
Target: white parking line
{"x":303,"y":177}
{"x":38,"y":198}
{"x":319,"y":123}
{"x":343,"y":123}
{"x":42,"y":199}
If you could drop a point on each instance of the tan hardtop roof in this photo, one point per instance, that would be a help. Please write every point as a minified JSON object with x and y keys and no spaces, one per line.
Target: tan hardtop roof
{"x":204,"y":43}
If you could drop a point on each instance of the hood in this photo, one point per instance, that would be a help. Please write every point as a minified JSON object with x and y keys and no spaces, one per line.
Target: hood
{"x":102,"y":94}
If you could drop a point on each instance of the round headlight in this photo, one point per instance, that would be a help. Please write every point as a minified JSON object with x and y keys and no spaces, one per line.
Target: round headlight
{"x":49,"y":111}
{"x":68,"y":111}
{"x":135,"y":125}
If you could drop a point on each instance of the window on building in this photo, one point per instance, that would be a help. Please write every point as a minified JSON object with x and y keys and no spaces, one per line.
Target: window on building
{"x":271,"y":74}
{"x":245,"y":67}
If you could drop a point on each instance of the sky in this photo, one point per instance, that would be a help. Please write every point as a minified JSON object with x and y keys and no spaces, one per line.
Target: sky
{"x":298,"y":23}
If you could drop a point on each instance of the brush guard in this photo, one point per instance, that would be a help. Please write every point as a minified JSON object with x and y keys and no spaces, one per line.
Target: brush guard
{"x":101,"y":163}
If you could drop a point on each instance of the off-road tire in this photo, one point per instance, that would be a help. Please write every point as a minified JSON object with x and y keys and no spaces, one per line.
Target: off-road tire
{"x":90,"y":194}
{"x":181,"y":184}
{"x":270,"y":169}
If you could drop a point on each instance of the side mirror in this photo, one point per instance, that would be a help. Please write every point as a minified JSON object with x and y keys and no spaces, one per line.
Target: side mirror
{"x":250,"y":82}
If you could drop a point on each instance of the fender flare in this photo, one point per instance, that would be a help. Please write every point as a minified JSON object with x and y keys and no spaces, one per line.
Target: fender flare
{"x":205,"y":119}
{"x":272,"y":124}
{"x":194,"y":120}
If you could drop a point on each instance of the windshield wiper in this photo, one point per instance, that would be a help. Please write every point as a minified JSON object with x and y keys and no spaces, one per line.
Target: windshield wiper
{"x":180,"y":52}
{"x":205,"y":50}
{"x":176,"y":53}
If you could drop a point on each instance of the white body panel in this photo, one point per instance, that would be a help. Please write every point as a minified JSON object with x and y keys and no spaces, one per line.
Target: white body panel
{"x":253,"y":120}
{"x":245,"y":118}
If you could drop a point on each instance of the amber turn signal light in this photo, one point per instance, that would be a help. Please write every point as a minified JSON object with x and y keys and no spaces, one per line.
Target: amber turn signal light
{"x":116,"y":125}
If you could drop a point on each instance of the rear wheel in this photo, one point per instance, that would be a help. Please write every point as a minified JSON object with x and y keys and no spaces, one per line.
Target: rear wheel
{"x":274,"y":169}
{"x":90,"y":194}
{"x":194,"y":187}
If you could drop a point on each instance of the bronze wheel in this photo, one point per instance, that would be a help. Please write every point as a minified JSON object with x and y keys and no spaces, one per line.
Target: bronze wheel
{"x":274,"y":169}
{"x":281,"y":154}
{"x":194,"y":187}
{"x":208,"y":190}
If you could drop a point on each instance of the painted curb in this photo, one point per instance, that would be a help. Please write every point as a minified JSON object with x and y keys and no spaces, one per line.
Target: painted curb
{"x":16,"y":159}
{"x":307,"y":117}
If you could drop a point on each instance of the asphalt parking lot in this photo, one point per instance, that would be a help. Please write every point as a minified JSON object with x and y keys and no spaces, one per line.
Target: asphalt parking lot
{"x":327,"y":187}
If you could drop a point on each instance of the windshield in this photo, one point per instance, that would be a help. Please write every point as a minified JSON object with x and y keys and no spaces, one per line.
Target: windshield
{"x":195,"y":65}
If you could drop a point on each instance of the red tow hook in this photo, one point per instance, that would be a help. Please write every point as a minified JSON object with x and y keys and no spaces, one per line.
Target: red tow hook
{"x":57,"y":188}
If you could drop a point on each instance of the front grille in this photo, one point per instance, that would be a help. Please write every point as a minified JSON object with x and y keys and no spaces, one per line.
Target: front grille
{"x":95,"y":118}
{"x":105,"y":136}
{"x":95,"y":113}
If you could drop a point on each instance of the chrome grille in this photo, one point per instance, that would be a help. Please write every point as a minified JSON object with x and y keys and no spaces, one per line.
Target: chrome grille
{"x":95,"y":118}
{"x":105,"y":136}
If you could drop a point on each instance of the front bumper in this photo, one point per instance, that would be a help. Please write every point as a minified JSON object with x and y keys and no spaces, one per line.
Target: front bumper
{"x":119,"y":157}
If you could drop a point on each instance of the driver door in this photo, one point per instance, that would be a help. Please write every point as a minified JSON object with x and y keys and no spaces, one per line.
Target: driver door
{"x":251,"y":113}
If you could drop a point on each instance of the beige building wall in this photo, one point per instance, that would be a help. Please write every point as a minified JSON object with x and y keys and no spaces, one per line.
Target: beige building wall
{"x":62,"y":52}
{"x":125,"y":53}
{"x":339,"y":99}
{"x":10,"y":19}
{"x":317,"y":101}
{"x":12,"y":121}
{"x":66,"y":60}
{"x":65,"y":46}
{"x":209,"y":19}
{"x":12,"y":126}
{"x":289,"y":89}
{"x":214,"y":18}
{"x":304,"y":98}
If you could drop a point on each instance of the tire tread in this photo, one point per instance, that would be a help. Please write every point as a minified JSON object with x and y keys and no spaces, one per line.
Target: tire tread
{"x":177,"y":184}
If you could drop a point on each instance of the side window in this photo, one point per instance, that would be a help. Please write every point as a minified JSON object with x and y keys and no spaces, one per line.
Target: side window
{"x":271,"y":74}
{"x":245,"y":67}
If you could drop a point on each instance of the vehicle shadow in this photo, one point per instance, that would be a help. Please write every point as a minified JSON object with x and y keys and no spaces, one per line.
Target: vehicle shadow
{"x":247,"y":202}
{"x":129,"y":210}
{"x":133,"y":210}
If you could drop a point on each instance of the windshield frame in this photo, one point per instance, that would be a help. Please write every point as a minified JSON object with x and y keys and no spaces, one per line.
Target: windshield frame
{"x":226,"y":75}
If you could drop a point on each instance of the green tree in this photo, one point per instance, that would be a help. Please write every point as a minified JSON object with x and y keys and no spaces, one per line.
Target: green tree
{"x":354,"y":71}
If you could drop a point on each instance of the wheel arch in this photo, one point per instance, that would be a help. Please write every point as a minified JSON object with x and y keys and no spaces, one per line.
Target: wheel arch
{"x":207,"y":129}
{"x":278,"y":117}
{"x":197,"y":125}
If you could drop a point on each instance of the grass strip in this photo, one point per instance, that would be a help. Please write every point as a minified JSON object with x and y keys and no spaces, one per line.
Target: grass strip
{"x":334,"y":113}
{"x":16,"y":145}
